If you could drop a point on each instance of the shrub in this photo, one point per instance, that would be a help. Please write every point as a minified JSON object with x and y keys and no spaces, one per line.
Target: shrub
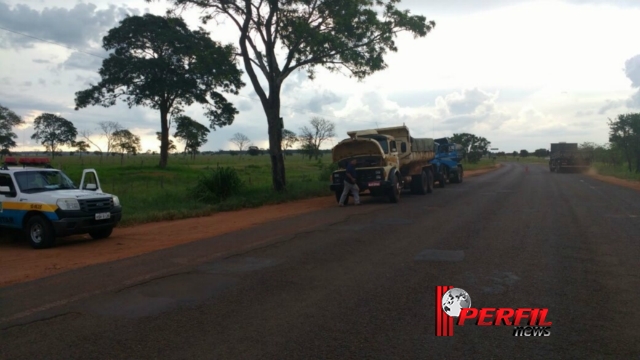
{"x":326,"y":171}
{"x":217,"y":185}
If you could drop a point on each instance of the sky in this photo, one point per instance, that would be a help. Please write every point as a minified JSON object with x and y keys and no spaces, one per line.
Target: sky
{"x":522,"y":74}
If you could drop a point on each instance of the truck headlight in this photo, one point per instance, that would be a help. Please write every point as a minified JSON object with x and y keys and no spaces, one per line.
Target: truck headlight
{"x":116,"y":201}
{"x":68,"y":204}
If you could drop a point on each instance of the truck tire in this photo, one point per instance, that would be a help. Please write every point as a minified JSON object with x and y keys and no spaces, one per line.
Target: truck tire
{"x":101,"y":234}
{"x":420,"y":183}
{"x":40,"y":232}
{"x":457,"y":177}
{"x":396,"y":190}
{"x":443,"y":176}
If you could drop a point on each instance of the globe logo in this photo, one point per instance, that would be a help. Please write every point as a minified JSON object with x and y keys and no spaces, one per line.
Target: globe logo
{"x":455,"y":300}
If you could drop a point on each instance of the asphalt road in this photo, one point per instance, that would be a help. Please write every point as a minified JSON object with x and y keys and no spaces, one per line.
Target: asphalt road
{"x":358,"y":282}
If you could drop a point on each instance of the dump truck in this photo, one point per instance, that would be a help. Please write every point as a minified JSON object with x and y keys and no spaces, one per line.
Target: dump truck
{"x":389,"y":160}
{"x":446,"y":163}
{"x":566,"y":156}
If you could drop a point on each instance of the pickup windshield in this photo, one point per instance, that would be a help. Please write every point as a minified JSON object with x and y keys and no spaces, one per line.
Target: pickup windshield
{"x":45,"y":180}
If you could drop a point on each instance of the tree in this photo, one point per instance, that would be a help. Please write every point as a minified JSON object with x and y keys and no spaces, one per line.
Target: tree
{"x":524,"y":153}
{"x":624,"y":132}
{"x":160,"y":63}
{"x":240,"y":140}
{"x":319,"y":131}
{"x":192,"y":133}
{"x":81,"y":146}
{"x":53,"y":131}
{"x":514,"y":153}
{"x":125,"y":142}
{"x":108,"y":128}
{"x":471,"y":143}
{"x":278,"y":37}
{"x":289,"y":139}
{"x":8,"y":119}
{"x":541,"y":153}
{"x":172,"y":145}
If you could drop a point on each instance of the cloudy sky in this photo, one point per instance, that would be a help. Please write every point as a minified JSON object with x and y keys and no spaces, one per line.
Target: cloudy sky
{"x":520,"y":73}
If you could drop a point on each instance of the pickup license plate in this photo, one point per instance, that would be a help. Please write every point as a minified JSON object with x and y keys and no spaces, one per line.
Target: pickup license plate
{"x":103,"y":216}
{"x":374,"y":183}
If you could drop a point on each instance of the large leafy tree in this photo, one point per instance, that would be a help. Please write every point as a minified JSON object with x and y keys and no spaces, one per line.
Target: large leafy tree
{"x":192,"y":133}
{"x":125,"y":142}
{"x":8,"y":119}
{"x":278,"y":37}
{"x":160,"y":63}
{"x":53,"y":131}
{"x":471,"y":144}
{"x":624,"y":133}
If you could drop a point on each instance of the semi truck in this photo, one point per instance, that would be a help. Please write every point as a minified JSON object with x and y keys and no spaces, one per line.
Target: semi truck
{"x":566,"y":156}
{"x":447,"y":162}
{"x":389,"y":160}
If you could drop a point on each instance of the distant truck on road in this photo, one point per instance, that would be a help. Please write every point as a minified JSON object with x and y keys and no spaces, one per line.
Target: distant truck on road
{"x":567,"y":156}
{"x":389,"y":160}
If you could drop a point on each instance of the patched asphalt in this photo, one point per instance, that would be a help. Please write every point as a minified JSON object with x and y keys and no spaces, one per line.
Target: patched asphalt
{"x":359,"y":282}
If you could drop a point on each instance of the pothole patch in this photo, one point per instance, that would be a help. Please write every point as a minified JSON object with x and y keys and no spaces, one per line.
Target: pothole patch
{"x":237,"y":265}
{"x":440,"y":255}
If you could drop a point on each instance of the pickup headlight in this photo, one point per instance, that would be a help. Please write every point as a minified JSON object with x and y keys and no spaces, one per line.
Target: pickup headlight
{"x":116,"y":201}
{"x":68,"y":204}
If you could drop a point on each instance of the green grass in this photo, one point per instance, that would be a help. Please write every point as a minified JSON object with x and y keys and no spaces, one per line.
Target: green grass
{"x":524,"y":160}
{"x":619,"y":171}
{"x":148,"y":193}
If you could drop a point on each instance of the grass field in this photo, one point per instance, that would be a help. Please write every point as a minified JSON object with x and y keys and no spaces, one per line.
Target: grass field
{"x":148,"y":193}
{"x":619,"y":171}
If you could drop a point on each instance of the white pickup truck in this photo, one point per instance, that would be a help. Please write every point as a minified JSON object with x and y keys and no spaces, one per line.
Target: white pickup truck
{"x":45,"y":203}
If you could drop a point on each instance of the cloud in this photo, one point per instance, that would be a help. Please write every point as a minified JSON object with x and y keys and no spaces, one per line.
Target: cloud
{"x":41,"y":61}
{"x":82,"y":61}
{"x":317,"y":103}
{"x":610,"y":105}
{"x":78,"y":27}
{"x":632,"y":70}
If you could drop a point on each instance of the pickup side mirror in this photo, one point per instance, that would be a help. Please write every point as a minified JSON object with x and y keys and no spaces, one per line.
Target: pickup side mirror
{"x":91,"y":187}
{"x":5,"y":189}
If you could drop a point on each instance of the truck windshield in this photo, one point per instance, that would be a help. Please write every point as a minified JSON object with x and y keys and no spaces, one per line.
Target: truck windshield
{"x":45,"y":180}
{"x":384,"y":144}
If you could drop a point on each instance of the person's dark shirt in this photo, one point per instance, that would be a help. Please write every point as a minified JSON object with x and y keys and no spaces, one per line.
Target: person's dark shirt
{"x":351,"y":170}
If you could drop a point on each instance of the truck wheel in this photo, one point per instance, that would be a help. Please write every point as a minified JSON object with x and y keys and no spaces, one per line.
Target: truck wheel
{"x":442,"y":182}
{"x":457,"y":177}
{"x":396,"y":190}
{"x":101,"y":234}
{"x":40,"y":232}
{"x":430,"y":180}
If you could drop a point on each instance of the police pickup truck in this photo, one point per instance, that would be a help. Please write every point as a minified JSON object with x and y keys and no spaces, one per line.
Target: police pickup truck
{"x":45,"y":204}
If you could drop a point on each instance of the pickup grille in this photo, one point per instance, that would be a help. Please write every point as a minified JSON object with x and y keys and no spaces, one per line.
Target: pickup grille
{"x":96,"y":205}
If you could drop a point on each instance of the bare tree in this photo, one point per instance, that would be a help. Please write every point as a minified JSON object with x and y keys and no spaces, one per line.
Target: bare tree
{"x":108,"y":128}
{"x":319,"y":131}
{"x":240,"y":140}
{"x":86,"y":134}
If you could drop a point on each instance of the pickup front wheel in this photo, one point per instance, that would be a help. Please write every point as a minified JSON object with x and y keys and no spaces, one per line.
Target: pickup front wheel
{"x":40,"y":232}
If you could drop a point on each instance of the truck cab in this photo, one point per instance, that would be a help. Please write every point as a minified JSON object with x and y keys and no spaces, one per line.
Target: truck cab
{"x":44,"y":203}
{"x":447,"y":162}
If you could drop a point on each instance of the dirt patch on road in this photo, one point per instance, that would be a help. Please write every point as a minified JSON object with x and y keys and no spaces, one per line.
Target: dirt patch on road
{"x":19,"y":263}
{"x":472,"y":173}
{"x":614,"y":180}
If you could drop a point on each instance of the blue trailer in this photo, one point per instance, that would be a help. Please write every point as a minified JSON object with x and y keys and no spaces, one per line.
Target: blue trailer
{"x":447,"y":162}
